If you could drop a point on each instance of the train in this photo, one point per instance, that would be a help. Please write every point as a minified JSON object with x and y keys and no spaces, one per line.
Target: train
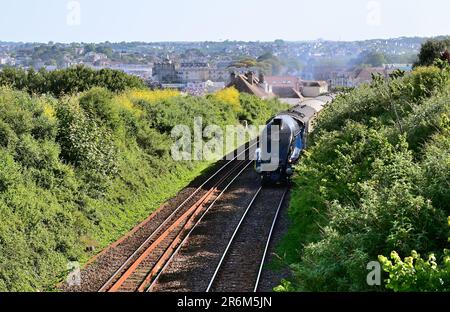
{"x":284,"y":139}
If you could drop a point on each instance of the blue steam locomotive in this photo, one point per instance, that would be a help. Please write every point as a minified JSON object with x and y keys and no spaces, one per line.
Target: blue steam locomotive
{"x":284,"y":139}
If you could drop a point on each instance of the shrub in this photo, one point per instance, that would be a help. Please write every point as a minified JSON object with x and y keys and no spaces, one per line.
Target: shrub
{"x":36,"y":154}
{"x":9,"y":171}
{"x":81,"y":170}
{"x":68,"y":81}
{"x":426,"y":81}
{"x":97,"y":104}
{"x":7,"y":135}
{"x":151,"y":96}
{"x":375,"y":179}
{"x":84,"y":143}
{"x":417,"y":274}
{"x":229,"y":96}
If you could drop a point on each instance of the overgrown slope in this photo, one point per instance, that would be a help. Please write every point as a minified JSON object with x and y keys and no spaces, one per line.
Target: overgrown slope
{"x":82,"y":170}
{"x":375,"y":180}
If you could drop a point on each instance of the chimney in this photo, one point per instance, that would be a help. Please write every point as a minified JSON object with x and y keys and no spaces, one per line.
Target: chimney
{"x":261,"y":78}
{"x":250,"y":77}
{"x":232,"y":76}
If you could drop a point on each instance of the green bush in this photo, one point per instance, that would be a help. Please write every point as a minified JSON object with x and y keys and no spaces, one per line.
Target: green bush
{"x":416,"y":273}
{"x":375,"y":179}
{"x":80,"y":171}
{"x":9,"y":171}
{"x":97,"y":104}
{"x":67,"y":81}
{"x":7,"y":135}
{"x":84,"y":143}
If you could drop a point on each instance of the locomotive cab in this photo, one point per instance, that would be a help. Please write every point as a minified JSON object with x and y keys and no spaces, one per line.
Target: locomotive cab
{"x":280,"y":147}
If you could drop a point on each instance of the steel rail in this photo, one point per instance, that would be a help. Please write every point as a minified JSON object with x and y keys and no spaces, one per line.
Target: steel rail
{"x":269,"y":238}
{"x":155,"y":280}
{"x":192,"y":212}
{"x":170,"y":250}
{"x":129,"y":259}
{"x":230,"y":242}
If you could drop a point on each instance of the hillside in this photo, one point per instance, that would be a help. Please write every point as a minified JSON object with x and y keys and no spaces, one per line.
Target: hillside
{"x":376,"y":180}
{"x":78,"y":171}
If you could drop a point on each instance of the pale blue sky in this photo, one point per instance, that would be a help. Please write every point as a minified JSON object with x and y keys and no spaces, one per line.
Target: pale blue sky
{"x":199,"y":20}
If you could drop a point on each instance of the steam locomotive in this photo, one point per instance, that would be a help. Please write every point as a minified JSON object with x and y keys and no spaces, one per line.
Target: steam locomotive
{"x":284,"y":139}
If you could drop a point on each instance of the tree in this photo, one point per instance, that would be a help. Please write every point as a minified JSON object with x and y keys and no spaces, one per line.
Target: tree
{"x":372,"y":58}
{"x":445,"y":56}
{"x":431,"y":50}
{"x":267,"y":63}
{"x":68,"y":81}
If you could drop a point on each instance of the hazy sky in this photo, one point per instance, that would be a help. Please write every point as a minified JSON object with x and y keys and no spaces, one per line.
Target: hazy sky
{"x":199,"y":20}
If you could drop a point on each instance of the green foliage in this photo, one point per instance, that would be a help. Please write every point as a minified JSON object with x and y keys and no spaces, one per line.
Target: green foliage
{"x":80,"y":171}
{"x":416,"y":274}
{"x":386,"y":102}
{"x":372,"y":58}
{"x":267,"y":63}
{"x":257,"y":111}
{"x":9,"y":174}
{"x":285,"y":286}
{"x":431,"y":50}
{"x":84,"y":142}
{"x":67,"y":81}
{"x":97,"y":105}
{"x":375,"y":179}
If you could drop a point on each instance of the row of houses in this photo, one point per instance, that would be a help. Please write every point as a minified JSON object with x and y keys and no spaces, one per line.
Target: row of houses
{"x":7,"y":60}
{"x":289,"y":89}
{"x":358,"y":76}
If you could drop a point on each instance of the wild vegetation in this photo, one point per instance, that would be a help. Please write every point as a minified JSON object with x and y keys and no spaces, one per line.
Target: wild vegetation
{"x":67,"y":81}
{"x":433,"y":49}
{"x":78,"y":171}
{"x":374,"y":182}
{"x":268,"y":64}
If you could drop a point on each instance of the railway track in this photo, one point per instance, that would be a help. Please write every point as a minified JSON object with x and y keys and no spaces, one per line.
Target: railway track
{"x":234,"y":271}
{"x":145,"y":262}
{"x":237,"y":270}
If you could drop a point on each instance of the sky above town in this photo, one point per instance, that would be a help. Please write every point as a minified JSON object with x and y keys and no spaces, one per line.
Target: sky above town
{"x":217,"y":20}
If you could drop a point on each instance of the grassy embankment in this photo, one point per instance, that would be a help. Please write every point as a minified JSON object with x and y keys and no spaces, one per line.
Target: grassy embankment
{"x":81,"y":170}
{"x":376,"y":179}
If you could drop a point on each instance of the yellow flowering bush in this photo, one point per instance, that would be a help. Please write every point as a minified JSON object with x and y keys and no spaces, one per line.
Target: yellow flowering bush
{"x":127,"y":101}
{"x":229,"y":96}
{"x":152,"y":96}
{"x":49,"y":112}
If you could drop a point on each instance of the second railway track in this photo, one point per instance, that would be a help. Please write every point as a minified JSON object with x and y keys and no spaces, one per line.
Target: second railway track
{"x":138,"y":270}
{"x":136,"y":262}
{"x":242,"y":262}
{"x":227,"y":249}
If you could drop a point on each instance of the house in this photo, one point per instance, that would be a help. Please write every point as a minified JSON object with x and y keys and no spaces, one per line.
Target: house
{"x":193,"y":72}
{"x":219,"y":75}
{"x":364,"y":75}
{"x":93,"y":57}
{"x":339,"y":79}
{"x":314,"y":88}
{"x":285,"y":86}
{"x":7,"y":60}
{"x":165,"y":71}
{"x":251,"y":84}
{"x":168,"y":71}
